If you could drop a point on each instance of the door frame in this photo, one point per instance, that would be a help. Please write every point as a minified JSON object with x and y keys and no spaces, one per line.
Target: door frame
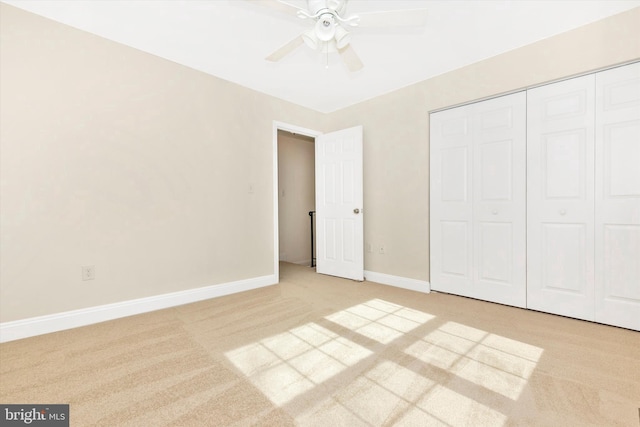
{"x":276,"y":226}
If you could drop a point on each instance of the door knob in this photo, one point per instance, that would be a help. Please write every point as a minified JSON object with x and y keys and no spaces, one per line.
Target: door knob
{"x":495,"y":212}
{"x":563,"y":212}
{"x":356,"y":211}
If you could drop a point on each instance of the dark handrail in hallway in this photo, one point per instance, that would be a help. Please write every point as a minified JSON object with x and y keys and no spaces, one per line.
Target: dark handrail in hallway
{"x":313,"y":258}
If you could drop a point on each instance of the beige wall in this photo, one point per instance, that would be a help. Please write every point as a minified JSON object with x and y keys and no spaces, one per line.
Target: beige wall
{"x":396,"y":137}
{"x":115,"y":158}
{"x":296,"y":196}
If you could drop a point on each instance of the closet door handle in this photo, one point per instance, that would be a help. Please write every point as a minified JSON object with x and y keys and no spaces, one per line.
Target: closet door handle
{"x":562,"y":212}
{"x":494,"y":212}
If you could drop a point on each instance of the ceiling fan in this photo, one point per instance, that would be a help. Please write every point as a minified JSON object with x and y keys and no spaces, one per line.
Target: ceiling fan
{"x":331,"y":24}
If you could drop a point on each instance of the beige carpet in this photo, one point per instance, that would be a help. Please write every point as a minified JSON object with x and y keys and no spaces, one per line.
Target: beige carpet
{"x":322,"y":351}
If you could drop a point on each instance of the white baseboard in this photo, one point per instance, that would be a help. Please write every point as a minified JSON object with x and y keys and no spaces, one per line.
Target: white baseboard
{"x":18,"y":329}
{"x":398,"y":282}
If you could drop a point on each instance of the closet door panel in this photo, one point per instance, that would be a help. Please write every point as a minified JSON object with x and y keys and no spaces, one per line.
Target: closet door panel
{"x":560,"y":198}
{"x":617,"y":209}
{"x":451,"y":203}
{"x":499,"y":201}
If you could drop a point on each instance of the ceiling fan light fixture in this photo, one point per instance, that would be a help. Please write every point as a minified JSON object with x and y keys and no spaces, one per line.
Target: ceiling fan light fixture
{"x":343,"y":37}
{"x":326,"y":27}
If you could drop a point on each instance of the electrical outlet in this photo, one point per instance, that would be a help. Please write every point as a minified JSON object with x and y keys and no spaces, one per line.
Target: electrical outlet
{"x":383,"y":250}
{"x":88,"y":272}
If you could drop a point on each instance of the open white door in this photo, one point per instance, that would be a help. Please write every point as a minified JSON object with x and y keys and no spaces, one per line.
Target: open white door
{"x":339,"y":224}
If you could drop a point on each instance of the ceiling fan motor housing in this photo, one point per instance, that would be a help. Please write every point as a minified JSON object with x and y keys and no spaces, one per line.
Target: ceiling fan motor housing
{"x":326,"y":27}
{"x":328,"y":34}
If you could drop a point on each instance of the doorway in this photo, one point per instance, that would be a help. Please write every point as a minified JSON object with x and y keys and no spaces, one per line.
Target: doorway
{"x":296,"y":197}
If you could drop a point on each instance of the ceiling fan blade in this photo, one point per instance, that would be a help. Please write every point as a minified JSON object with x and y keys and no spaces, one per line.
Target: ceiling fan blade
{"x":393,"y":18}
{"x":280,"y":6}
{"x":286,"y":49}
{"x":350,"y":58}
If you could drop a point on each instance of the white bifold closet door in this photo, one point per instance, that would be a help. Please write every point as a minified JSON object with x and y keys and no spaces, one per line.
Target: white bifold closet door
{"x":560,"y":198}
{"x":478,"y":202}
{"x":617,"y":197}
{"x":451,"y":201}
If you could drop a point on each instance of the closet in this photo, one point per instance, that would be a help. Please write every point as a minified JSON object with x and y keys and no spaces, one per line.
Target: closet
{"x":535,"y":198}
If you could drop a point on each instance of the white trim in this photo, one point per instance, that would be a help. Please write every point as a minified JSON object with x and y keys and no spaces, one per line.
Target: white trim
{"x":288,"y":128}
{"x":10,"y":331}
{"x":534,"y":86}
{"x":398,"y":282}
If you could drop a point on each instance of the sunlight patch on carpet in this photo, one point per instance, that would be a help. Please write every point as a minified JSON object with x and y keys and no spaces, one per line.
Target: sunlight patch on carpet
{"x":286,"y":365}
{"x":446,"y":373}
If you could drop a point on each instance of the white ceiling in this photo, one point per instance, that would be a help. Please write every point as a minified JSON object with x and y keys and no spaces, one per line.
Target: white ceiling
{"x":230,"y":39}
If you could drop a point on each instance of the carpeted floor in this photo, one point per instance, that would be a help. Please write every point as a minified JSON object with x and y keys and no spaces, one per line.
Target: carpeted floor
{"x":321,"y":351}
